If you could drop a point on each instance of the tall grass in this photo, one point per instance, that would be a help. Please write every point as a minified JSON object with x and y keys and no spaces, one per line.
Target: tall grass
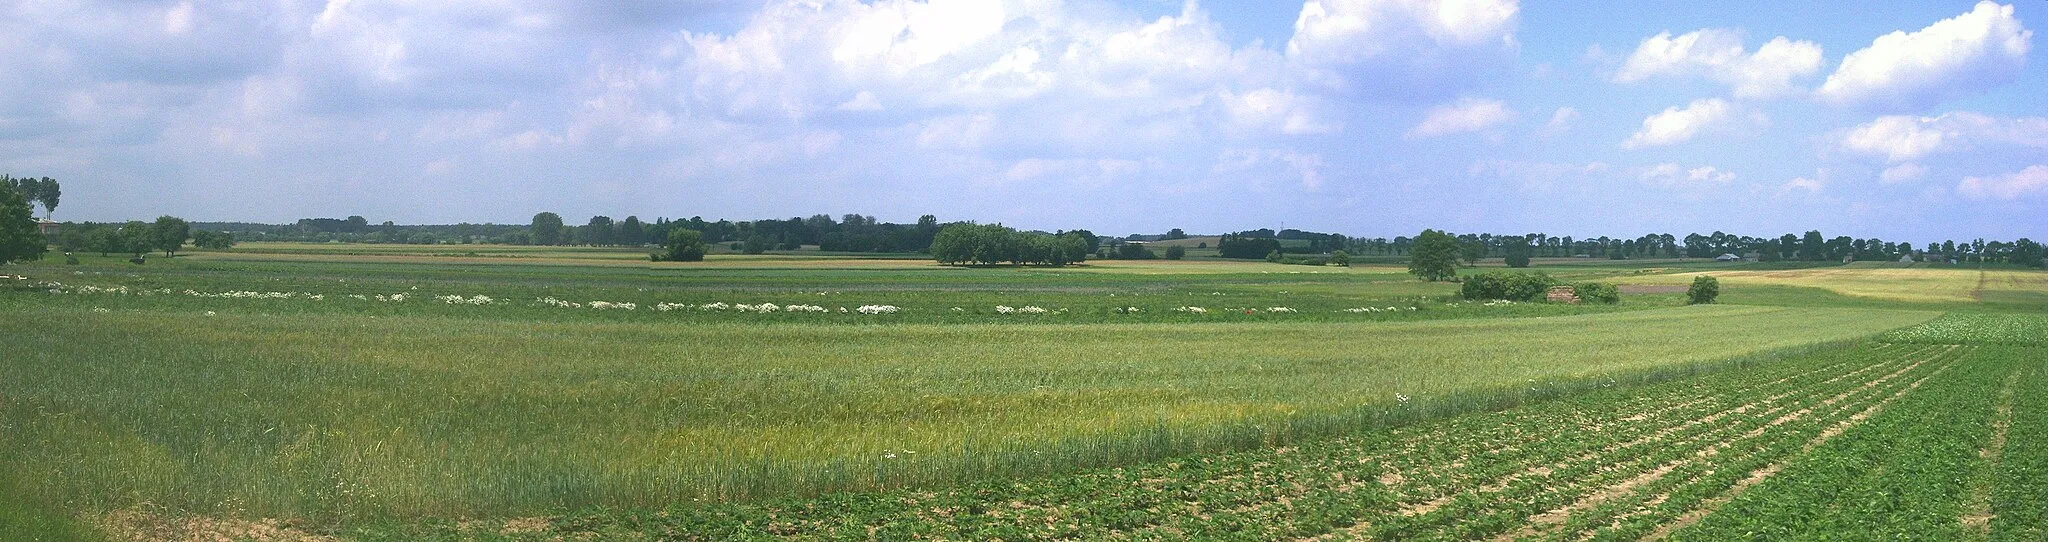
{"x":337,"y":417}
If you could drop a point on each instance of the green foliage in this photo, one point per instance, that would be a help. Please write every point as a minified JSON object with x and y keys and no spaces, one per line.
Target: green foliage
{"x":1517,"y":252}
{"x":547,"y":229}
{"x":682,"y":246}
{"x":19,"y":239}
{"x":1704,"y":290}
{"x":991,"y":244}
{"x":1274,"y":256}
{"x":168,"y":234}
{"x":1135,"y":251}
{"x":1434,"y":256}
{"x":1509,"y":286}
{"x":1176,"y":252}
{"x":1597,"y":292}
{"x":757,"y":244}
{"x":213,"y":240}
{"x":1340,"y":259}
{"x":1245,"y":246}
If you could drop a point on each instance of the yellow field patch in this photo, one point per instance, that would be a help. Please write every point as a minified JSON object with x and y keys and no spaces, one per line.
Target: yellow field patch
{"x":1925,"y":285}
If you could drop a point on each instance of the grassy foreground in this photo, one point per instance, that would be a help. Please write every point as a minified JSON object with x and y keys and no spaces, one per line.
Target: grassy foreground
{"x":335,"y":417}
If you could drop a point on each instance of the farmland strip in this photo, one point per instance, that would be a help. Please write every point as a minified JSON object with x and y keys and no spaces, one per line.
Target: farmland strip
{"x":1977,"y":513}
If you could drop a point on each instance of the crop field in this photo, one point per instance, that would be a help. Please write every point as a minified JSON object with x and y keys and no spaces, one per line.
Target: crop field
{"x":1876,"y":281}
{"x":408,"y":393}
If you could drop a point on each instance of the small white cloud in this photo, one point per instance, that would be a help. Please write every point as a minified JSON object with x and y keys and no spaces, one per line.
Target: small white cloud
{"x":1675,"y":175}
{"x":1464,"y":115}
{"x":864,"y":101}
{"x":1676,"y":125}
{"x":1709,"y":174}
{"x":1807,"y":184}
{"x":1902,"y":138}
{"x":178,"y":21}
{"x":1902,"y":173}
{"x":1406,"y":48}
{"x":2011,"y":186}
{"x":1561,"y":121}
{"x":1909,"y":71}
{"x":1718,"y":54}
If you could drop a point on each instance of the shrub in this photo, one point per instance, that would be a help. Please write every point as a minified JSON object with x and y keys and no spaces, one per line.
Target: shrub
{"x":1176,"y":252}
{"x":1340,"y":259}
{"x":1597,"y":292}
{"x":1273,"y":256}
{"x":1704,"y":289}
{"x":1510,"y":286}
{"x":683,"y":245}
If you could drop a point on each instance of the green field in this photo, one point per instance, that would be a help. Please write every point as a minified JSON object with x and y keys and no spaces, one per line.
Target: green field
{"x":405,"y":392}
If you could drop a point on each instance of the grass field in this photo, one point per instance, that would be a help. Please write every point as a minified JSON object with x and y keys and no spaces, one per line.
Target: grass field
{"x":384,"y":391}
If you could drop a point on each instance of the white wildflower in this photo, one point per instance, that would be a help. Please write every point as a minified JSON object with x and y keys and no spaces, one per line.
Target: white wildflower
{"x":877,"y":309}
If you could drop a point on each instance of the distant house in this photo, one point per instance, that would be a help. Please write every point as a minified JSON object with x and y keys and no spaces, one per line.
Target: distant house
{"x":1906,"y":258}
{"x":46,"y":227}
{"x":1727,"y":258}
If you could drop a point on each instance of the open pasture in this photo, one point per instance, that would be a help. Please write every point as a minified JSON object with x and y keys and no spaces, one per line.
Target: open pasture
{"x":1902,"y":284}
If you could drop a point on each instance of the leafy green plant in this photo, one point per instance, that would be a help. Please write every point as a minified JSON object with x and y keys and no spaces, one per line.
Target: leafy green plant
{"x":1597,"y":292}
{"x":1704,"y":290}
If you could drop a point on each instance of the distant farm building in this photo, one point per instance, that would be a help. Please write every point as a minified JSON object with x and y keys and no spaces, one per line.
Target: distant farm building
{"x":1727,"y":258}
{"x":1563,"y":294}
{"x":1906,"y":258}
{"x":46,"y":227}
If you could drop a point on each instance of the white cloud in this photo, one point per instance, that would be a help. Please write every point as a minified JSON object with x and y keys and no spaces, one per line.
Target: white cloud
{"x":1956,"y":56}
{"x":2010,"y":186}
{"x":1901,"y":138}
{"x":1676,"y":125}
{"x":1464,"y":115}
{"x":1718,"y":54}
{"x":1902,"y":173}
{"x":1808,"y":184}
{"x":864,"y":101}
{"x":1289,"y":112}
{"x":1400,"y":48}
{"x":1560,"y":121}
{"x":1671,"y":174}
{"x":1307,"y":167}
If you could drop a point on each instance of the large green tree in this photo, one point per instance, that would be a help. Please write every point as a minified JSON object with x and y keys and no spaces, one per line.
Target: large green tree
{"x":547,"y":229}
{"x":682,"y":246}
{"x":1434,"y":256}
{"x":168,"y":234}
{"x":19,"y":239}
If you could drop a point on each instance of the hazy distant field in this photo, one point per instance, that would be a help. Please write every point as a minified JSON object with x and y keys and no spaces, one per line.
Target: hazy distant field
{"x":391,"y":385}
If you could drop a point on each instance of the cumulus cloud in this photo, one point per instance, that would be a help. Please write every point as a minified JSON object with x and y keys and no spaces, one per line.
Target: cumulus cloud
{"x":1901,"y":138}
{"x":1719,"y":54}
{"x":1464,"y":115}
{"x":1560,"y":121}
{"x":1675,"y":125}
{"x":2011,"y":186}
{"x":1403,"y":49}
{"x":1960,"y":55}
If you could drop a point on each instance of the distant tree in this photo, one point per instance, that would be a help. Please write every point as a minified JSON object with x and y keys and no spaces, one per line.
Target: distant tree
{"x":1471,"y":250}
{"x":547,"y":229}
{"x":631,"y":232}
{"x":213,"y":240}
{"x":1813,"y":247}
{"x":46,"y":192}
{"x":1275,"y":257}
{"x":1340,"y":258}
{"x":757,"y":244}
{"x":1176,"y":252}
{"x":1517,"y":252}
{"x":1704,"y":290}
{"x":19,"y":239}
{"x":137,"y":238}
{"x":599,"y":231}
{"x":168,"y":234}
{"x":1173,"y":234}
{"x":1434,"y":256}
{"x":682,"y":246}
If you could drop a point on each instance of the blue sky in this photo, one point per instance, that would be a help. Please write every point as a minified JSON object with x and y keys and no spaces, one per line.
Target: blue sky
{"x":1911,"y":121}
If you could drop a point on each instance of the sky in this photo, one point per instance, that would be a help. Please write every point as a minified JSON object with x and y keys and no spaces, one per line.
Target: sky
{"x":1909,"y":121}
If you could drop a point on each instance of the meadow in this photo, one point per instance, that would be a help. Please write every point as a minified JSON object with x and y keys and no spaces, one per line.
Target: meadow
{"x":407,"y":392}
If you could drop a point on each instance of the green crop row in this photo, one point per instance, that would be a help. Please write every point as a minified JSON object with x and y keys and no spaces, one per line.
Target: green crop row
{"x":1977,"y":328}
{"x":2019,"y":497}
{"x":1464,"y":477}
{"x":1902,"y":475}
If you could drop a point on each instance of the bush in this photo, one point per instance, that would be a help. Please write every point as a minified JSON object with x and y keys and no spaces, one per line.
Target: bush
{"x":683,"y":245}
{"x":1704,"y":289}
{"x":757,"y":244}
{"x":1340,"y":259}
{"x":1510,"y":286}
{"x":1176,"y":252}
{"x":1597,"y":292}
{"x":1273,"y":256}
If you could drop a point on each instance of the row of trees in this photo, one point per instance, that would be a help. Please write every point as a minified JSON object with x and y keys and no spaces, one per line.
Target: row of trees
{"x":167,"y":234}
{"x":849,"y":233}
{"x":992,"y":244}
{"x":42,"y":190}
